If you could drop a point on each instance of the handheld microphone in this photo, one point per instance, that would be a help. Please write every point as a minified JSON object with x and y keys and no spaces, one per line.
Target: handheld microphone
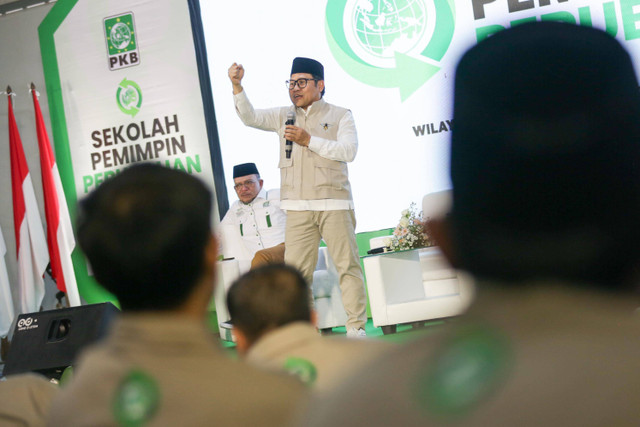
{"x":291,"y":119}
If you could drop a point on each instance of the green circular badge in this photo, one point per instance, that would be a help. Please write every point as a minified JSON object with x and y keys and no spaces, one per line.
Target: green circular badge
{"x":136,"y":400}
{"x":66,"y":376}
{"x":470,"y":367}
{"x":301,"y":368}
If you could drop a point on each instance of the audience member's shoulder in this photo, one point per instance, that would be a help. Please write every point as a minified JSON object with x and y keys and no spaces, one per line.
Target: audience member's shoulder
{"x":272,"y":379}
{"x":267,"y":398}
{"x":27,"y":381}
{"x":224,"y":392}
{"x":25,"y":399}
{"x":362,"y":397}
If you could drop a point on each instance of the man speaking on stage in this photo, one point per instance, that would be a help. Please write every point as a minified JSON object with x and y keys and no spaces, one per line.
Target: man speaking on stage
{"x":317,"y":139}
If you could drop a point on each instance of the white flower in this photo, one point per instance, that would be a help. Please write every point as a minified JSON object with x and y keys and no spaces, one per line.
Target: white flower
{"x":387,"y":241}
{"x":409,"y":233}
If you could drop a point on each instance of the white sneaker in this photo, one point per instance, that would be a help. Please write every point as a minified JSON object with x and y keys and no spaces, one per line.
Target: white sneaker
{"x":356,"y":333}
{"x":227,"y":325}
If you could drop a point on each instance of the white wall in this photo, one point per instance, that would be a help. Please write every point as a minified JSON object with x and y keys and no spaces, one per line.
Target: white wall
{"x":21,"y":64}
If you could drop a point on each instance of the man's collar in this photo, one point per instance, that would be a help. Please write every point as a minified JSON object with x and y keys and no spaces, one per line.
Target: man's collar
{"x":314,"y":105}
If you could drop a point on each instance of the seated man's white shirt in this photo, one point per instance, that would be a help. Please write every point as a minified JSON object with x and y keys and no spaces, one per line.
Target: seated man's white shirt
{"x":258,"y":225}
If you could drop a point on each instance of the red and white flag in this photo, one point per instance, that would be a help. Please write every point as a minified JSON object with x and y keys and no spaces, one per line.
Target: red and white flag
{"x":60,"y":238}
{"x":31,"y":246}
{"x":6,"y":301}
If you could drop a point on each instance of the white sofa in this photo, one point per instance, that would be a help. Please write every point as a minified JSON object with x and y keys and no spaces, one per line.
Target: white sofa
{"x":414,"y":286}
{"x":418,"y":285}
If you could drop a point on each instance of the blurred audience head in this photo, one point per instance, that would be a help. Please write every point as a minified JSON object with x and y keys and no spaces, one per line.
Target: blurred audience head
{"x":545,"y":157}
{"x":267,"y":298}
{"x":147,"y":235}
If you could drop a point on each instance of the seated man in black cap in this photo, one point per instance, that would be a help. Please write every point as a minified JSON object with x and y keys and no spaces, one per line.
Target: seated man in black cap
{"x":255,"y":220}
{"x":545,"y":166}
{"x":317,"y":140}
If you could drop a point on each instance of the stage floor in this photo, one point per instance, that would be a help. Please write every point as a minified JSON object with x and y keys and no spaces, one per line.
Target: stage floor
{"x":404,"y":333}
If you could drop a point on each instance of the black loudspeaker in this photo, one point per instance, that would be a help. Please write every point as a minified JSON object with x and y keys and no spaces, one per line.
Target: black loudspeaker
{"x":49,"y":341}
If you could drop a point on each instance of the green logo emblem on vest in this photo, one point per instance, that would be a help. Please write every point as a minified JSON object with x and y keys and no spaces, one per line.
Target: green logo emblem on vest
{"x":122,"y":46}
{"x":301,"y":368}
{"x":469,"y":369}
{"x":395,"y":43}
{"x":129,"y":97}
{"x":137,"y":399}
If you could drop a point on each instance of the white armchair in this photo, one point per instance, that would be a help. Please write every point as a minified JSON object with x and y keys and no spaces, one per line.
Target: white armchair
{"x":414,"y":286}
{"x":228,"y":271}
{"x":417,"y":285}
{"x":327,"y":296}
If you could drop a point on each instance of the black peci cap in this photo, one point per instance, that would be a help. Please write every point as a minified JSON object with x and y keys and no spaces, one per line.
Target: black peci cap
{"x":307,"y":65}
{"x":245,"y":169}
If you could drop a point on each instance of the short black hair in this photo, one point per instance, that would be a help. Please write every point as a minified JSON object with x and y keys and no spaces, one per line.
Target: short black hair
{"x":268,"y":297}
{"x":144,"y":232}
{"x":318,"y":78}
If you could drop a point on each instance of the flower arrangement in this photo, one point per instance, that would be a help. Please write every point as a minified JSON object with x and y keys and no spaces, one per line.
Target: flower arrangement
{"x":409,"y":233}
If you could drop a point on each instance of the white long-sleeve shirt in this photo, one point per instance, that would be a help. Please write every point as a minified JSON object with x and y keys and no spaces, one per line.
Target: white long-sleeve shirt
{"x":259,"y":224}
{"x":343,"y":149}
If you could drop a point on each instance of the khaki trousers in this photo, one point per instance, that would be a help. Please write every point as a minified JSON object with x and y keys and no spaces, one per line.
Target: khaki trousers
{"x":272,"y":255}
{"x":302,"y":237}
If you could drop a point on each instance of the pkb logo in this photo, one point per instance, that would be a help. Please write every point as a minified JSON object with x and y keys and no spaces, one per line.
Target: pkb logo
{"x":390,"y":43}
{"x":122,"y":46}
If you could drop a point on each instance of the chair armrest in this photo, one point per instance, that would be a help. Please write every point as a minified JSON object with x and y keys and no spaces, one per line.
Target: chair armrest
{"x":227,"y":272}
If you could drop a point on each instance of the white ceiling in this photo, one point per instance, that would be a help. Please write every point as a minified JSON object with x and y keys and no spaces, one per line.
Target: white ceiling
{"x":12,"y":5}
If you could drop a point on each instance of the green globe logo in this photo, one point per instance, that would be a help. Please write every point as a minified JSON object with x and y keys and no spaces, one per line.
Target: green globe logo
{"x":383,"y":28}
{"x":120,"y":36}
{"x":390,"y":43}
{"x":129,"y":97}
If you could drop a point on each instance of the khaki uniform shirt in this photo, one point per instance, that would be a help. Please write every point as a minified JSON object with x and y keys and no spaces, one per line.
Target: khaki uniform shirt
{"x":298,"y":347}
{"x":25,"y":400}
{"x":537,"y":356}
{"x":168,"y":370}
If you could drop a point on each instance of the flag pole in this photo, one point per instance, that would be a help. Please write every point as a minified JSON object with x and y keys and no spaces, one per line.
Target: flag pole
{"x":31,"y":246}
{"x":60,"y":238}
{"x":32,"y":86}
